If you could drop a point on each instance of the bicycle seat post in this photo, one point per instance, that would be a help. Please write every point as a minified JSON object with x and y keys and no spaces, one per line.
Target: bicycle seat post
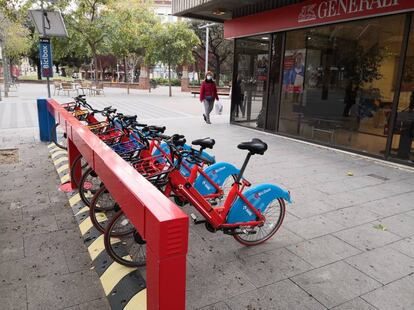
{"x":246,"y":161}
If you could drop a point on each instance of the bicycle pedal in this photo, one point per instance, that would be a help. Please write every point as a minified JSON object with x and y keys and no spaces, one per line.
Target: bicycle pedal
{"x":194,"y":217}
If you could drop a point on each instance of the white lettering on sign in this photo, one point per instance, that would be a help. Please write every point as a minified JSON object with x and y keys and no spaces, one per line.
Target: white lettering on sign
{"x":331,"y":8}
{"x":45,"y":57}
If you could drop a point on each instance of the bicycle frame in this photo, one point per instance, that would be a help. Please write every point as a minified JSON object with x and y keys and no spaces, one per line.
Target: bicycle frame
{"x":216,"y":216}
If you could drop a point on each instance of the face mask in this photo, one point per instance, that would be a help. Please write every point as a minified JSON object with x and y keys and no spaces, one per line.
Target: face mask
{"x":209,"y":77}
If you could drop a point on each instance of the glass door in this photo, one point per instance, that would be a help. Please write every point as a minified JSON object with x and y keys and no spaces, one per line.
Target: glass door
{"x":250,"y":81}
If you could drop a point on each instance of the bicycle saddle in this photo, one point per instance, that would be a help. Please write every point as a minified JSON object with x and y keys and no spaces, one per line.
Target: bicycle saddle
{"x":131,"y":118}
{"x":159,"y":129}
{"x":205,"y":143}
{"x":256,"y":146}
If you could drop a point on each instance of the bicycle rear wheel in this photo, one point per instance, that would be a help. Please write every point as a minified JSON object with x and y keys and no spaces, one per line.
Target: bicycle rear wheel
{"x":89,"y":185}
{"x":123,"y":243}
{"x":84,"y":167}
{"x":59,"y":137}
{"x":274,"y":214}
{"x":103,"y":208}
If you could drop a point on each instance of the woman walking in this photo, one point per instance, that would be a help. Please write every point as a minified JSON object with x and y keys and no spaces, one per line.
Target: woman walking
{"x":208,"y":93}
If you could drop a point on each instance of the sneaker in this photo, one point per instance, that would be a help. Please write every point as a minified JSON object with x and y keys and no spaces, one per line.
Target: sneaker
{"x":208,"y":122}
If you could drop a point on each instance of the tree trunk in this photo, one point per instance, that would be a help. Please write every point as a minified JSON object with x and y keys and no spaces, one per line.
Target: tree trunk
{"x":125,"y":70}
{"x":218,"y":71}
{"x":169,"y":80}
{"x":95,"y":62}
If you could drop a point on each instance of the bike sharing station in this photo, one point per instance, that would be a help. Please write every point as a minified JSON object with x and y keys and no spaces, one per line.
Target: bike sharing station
{"x":121,"y":178}
{"x":106,"y":158}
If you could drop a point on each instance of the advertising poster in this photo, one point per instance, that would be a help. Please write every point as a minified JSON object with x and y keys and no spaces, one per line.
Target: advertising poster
{"x":294,"y":71}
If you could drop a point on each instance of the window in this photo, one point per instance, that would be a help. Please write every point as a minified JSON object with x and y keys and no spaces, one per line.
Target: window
{"x":338,"y":82}
{"x":402,"y":143}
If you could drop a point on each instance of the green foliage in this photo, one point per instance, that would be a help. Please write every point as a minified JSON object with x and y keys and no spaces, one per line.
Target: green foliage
{"x":170,"y":43}
{"x":15,"y":37}
{"x":89,"y":22}
{"x":128,"y":22}
{"x":164,"y":82}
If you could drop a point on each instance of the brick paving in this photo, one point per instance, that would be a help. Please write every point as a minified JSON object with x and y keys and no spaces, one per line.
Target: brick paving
{"x":347,"y":241}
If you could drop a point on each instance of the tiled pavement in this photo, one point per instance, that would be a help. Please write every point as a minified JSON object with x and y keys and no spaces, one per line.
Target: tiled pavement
{"x":347,"y":241}
{"x":43,"y":261}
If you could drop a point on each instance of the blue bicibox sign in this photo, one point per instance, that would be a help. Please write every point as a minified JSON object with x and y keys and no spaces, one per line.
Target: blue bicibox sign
{"x":46,"y":58}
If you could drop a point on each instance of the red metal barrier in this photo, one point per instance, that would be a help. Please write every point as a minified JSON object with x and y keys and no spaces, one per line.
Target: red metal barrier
{"x":163,"y":225}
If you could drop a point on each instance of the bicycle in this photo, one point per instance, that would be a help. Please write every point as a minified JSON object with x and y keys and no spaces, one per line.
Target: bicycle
{"x":251,"y":216}
{"x":103,"y":206}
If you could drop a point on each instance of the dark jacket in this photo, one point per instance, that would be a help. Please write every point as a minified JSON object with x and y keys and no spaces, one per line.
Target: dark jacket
{"x":208,"y":89}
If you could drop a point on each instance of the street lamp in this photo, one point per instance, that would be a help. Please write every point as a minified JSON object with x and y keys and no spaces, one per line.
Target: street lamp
{"x":207,"y":27}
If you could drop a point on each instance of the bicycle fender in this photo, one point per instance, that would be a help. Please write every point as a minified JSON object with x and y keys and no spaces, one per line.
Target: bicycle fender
{"x":218,"y":173}
{"x":259,"y":196}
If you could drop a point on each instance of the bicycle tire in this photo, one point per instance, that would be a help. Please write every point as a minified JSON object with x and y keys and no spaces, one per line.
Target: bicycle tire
{"x":89,"y":184}
{"x":119,"y":248}
{"x":54,"y":136}
{"x":102,"y":210}
{"x":84,"y":167}
{"x":251,"y":242}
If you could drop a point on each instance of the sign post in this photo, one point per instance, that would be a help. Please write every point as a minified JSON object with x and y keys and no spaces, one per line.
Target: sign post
{"x":49,"y":24}
{"x":46,"y":64}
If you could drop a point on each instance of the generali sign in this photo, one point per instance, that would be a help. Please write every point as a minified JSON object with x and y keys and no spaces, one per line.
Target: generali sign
{"x":311,"y":13}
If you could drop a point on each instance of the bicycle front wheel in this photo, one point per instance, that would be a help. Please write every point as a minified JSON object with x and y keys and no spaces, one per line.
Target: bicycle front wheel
{"x":59,"y":137}
{"x":102,"y":210}
{"x":89,"y":185}
{"x":123,"y":243}
{"x":84,"y":166}
{"x":274,"y":215}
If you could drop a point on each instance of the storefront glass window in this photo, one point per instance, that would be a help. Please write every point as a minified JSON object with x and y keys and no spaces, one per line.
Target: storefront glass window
{"x":250,"y":84}
{"x":402,"y":143}
{"x":339,"y":80}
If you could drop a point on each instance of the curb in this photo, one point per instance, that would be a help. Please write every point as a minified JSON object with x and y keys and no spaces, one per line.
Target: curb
{"x":124,"y":287}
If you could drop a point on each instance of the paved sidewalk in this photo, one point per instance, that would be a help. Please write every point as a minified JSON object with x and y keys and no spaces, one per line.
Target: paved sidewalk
{"x":43,"y":262}
{"x":347,"y":241}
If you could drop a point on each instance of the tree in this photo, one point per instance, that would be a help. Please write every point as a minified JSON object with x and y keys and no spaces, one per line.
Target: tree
{"x":361,"y":66}
{"x":88,"y":20}
{"x":220,"y":50}
{"x":131,"y":20}
{"x":171,"y":44}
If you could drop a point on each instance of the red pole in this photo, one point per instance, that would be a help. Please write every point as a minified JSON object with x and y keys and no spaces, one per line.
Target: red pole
{"x":166,"y":264}
{"x":73,"y":153}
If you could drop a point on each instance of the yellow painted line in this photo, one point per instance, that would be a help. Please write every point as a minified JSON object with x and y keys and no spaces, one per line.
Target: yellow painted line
{"x":56,"y":154}
{"x":65,"y":178}
{"x":84,"y":209}
{"x":74,"y":200}
{"x":101,"y":217}
{"x":60,"y":160}
{"x":63,"y":168}
{"x":56,"y":149}
{"x":96,"y":247}
{"x":85,"y":226}
{"x":113,"y":275}
{"x":139,"y":301}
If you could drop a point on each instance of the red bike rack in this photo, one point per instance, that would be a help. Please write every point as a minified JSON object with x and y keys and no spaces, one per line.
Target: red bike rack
{"x":161,"y":223}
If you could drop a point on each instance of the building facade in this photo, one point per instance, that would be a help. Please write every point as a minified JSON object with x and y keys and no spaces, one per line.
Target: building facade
{"x":334,"y":72}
